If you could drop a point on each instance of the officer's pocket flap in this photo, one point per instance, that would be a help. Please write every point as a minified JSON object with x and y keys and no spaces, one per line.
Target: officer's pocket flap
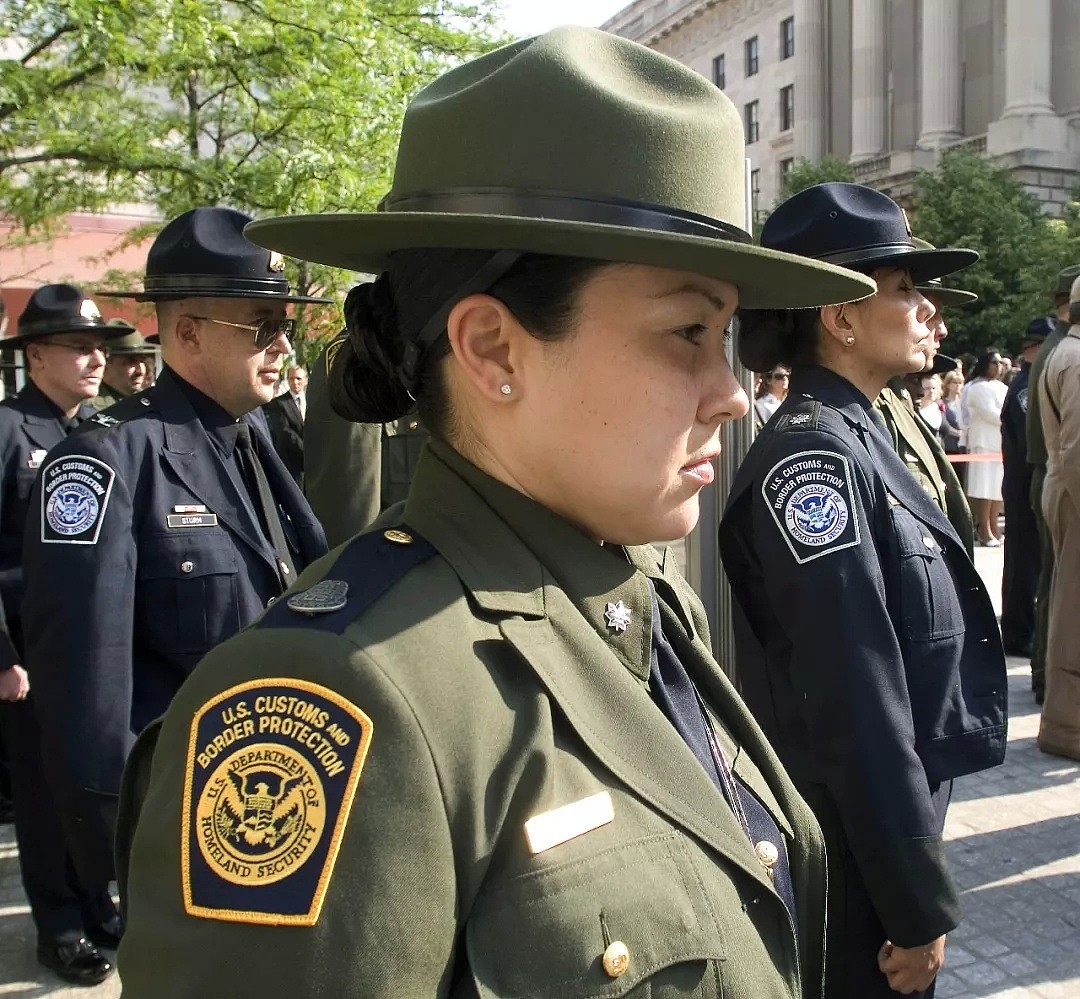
{"x":179,"y":557}
{"x":912,"y":538}
{"x":544,"y":935}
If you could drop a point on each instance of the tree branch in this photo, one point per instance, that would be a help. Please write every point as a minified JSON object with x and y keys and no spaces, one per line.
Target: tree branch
{"x":45,"y":43}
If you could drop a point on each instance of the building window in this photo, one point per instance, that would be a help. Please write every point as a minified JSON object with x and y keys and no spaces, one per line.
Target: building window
{"x":719,"y":71}
{"x":787,"y":107}
{"x":755,"y":190}
{"x":750,"y":116}
{"x":751,"y":56}
{"x":785,"y":168}
{"x":787,"y":38}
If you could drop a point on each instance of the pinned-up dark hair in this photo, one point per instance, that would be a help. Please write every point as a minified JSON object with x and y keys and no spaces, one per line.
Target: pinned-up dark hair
{"x":366,"y":379}
{"x":768,"y":337}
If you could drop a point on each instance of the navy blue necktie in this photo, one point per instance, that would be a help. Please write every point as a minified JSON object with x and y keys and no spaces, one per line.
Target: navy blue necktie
{"x":674,"y":693}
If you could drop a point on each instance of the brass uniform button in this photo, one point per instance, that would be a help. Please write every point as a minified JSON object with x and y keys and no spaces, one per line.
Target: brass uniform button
{"x":186,"y":567}
{"x":767,"y":855}
{"x":398,"y":537}
{"x":413,"y":424}
{"x":616,"y":959}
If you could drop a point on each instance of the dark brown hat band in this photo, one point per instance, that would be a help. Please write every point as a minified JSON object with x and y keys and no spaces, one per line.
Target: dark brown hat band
{"x":565,"y":207}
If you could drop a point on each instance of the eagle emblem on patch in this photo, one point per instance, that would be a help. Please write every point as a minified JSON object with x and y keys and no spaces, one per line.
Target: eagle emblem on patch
{"x":75,"y":493}
{"x":810,"y":499}
{"x":272,"y":769}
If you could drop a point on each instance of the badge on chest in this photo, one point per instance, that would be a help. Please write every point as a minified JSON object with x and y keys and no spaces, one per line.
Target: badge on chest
{"x":191,"y":515}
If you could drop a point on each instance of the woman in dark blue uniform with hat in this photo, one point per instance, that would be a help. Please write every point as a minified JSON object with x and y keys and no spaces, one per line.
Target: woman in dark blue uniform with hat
{"x":867,"y":646}
{"x":484,"y":749}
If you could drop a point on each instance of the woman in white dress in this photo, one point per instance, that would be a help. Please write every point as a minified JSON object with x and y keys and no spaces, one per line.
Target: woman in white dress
{"x":983,"y":398}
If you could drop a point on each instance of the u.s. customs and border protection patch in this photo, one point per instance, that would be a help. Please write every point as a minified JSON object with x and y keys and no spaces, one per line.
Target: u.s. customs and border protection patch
{"x":272,"y":768}
{"x":810,"y":497}
{"x":75,"y":493}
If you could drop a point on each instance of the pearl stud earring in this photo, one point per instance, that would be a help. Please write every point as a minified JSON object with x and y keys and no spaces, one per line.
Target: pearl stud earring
{"x":505,"y":389}
{"x":850,"y":341}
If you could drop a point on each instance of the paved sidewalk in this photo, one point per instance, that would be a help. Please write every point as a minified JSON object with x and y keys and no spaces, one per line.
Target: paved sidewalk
{"x":1014,"y":846}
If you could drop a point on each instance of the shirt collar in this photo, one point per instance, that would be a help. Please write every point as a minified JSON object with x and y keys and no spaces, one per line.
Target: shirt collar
{"x":611,"y":593}
{"x":220,"y":425}
{"x":836,"y":392}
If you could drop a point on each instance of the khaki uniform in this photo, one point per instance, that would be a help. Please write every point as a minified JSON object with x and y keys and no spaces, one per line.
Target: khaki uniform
{"x":1059,"y":389}
{"x":925,"y":458}
{"x":491,"y":689}
{"x":353,"y":471}
{"x":1036,"y":456}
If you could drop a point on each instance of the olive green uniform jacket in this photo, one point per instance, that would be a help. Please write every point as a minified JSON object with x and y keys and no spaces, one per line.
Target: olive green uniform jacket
{"x":925,"y":458}
{"x":496,"y":693}
{"x":353,"y":471}
{"x":107,"y":396}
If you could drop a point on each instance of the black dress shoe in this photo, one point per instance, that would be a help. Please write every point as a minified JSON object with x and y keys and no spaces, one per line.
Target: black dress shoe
{"x":107,"y":934}
{"x":79,"y":962}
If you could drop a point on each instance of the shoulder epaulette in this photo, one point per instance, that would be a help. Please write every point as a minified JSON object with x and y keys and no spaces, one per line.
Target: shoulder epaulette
{"x":367,"y":567}
{"x":804,"y":415}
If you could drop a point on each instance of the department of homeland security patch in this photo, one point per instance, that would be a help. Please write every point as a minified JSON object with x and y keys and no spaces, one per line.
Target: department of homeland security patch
{"x":272,"y":767}
{"x":810,"y":497}
{"x":75,"y":494}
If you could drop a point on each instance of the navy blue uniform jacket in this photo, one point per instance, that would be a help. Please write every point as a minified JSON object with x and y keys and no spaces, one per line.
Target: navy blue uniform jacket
{"x":867,"y":646}
{"x":29,"y":426}
{"x":140,"y":556}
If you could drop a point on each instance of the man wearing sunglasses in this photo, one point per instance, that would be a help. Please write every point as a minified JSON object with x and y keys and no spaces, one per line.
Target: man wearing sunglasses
{"x":169,"y":515}
{"x":64,"y":340}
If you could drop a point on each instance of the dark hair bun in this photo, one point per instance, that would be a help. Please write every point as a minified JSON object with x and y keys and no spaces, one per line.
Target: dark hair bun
{"x":363,"y":379}
{"x":768,"y":337}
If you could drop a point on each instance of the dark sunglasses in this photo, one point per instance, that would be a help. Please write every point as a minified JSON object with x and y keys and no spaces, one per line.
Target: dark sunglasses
{"x":777,"y":375}
{"x":266,"y":331}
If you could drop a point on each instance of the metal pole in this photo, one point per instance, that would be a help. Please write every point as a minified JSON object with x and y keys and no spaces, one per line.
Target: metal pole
{"x":701,"y":558}
{"x":737,"y":437}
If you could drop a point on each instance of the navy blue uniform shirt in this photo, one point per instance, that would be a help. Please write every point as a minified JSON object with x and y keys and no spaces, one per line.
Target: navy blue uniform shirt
{"x":30,"y":424}
{"x":143,"y":551}
{"x":867,"y":646}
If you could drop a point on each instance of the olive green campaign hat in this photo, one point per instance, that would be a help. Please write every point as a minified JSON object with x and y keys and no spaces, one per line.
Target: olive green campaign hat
{"x":575,"y":143}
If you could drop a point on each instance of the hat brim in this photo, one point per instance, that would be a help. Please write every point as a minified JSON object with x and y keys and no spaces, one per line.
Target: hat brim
{"x":923,"y":265}
{"x":948,"y":296}
{"x":174,"y":293}
{"x":105,"y":332}
{"x":942,"y":365}
{"x":363,"y":242}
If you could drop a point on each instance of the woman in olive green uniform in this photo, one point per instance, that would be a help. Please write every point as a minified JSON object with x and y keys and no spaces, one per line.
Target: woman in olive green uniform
{"x":484,"y":749}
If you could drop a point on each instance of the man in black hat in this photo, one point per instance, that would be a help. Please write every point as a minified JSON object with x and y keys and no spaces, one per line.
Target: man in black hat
{"x":170,"y":515}
{"x":130,"y":367}
{"x":1036,"y":456}
{"x":1020,"y":580}
{"x":62,"y":336}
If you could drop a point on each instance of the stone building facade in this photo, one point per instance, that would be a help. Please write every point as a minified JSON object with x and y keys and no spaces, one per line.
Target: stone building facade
{"x":886,"y":84}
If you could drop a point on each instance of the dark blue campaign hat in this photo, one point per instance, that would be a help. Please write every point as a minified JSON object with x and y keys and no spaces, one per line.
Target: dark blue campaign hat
{"x":1039,"y":329}
{"x":856,"y":227}
{"x":204,"y":254}
{"x":59,"y":308}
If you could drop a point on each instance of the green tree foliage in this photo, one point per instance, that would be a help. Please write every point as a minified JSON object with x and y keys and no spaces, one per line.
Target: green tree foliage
{"x":806,"y":173}
{"x":270,"y":106}
{"x":969,"y":202}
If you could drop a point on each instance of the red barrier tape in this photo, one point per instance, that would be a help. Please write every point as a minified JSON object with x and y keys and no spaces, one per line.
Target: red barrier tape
{"x":974,"y":457}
